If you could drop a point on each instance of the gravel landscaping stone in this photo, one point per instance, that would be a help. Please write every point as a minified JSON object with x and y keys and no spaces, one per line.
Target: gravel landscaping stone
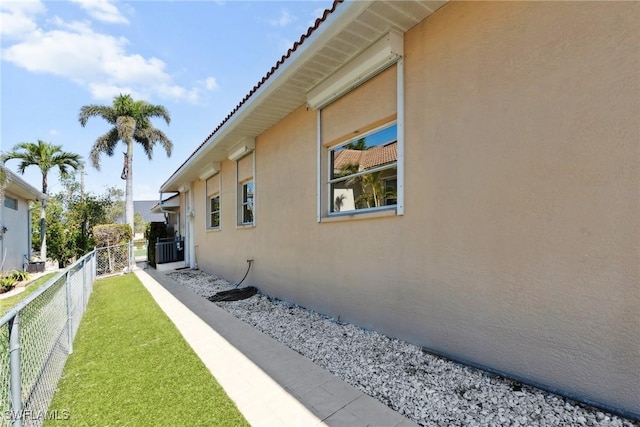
{"x":430,"y":390}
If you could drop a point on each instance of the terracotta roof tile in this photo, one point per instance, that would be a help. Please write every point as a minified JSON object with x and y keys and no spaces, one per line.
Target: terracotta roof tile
{"x":367,"y":159}
{"x":380,"y":155}
{"x":347,"y":157}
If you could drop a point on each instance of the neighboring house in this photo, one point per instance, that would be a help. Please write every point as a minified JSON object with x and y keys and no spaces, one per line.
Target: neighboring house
{"x":169,"y":211}
{"x":509,"y":237}
{"x":15,"y":221}
{"x":143,"y":207}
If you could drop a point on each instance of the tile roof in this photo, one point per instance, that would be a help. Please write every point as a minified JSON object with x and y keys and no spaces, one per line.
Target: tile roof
{"x":143,"y":207}
{"x":367,"y":159}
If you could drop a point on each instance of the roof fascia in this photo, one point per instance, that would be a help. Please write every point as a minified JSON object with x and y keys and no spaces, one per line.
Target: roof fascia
{"x":334,"y":24}
{"x":20,"y":187}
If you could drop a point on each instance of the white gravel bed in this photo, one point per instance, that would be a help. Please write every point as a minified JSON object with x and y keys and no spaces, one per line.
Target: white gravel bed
{"x":427,"y":389}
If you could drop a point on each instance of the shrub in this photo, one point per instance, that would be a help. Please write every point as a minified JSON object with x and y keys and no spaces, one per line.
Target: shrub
{"x":19,"y":275}
{"x":154,"y":231}
{"x":7,"y":283}
{"x":111,"y":234}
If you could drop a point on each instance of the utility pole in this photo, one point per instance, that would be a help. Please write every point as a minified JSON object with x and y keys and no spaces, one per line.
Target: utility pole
{"x":82,"y":183}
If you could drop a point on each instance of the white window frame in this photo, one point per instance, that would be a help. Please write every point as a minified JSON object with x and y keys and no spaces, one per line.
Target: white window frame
{"x":323,"y":181}
{"x":244,"y":202}
{"x":330,"y":181}
{"x":211,"y":212}
{"x":239,"y":193}
{"x":208,"y":198}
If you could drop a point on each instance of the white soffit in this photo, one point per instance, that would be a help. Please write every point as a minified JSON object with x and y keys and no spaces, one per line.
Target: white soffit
{"x":352,"y":28}
{"x":373,"y":60}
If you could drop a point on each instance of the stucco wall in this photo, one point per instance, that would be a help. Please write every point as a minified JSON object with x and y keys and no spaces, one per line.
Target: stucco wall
{"x":15,"y":242}
{"x":519,"y":247}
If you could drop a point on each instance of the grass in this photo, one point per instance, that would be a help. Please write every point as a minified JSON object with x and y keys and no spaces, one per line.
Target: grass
{"x":132,"y":367}
{"x":7,"y":303}
{"x":140,"y":252}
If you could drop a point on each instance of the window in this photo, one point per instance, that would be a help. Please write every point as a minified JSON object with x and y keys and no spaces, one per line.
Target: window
{"x":246,"y":206}
{"x":360,"y":148}
{"x":247,"y":203}
{"x":11,"y":203}
{"x":363,"y":171}
{"x":213,"y":202}
{"x":214,"y":211}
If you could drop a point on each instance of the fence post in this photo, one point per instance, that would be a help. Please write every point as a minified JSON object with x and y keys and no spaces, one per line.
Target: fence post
{"x":84,"y":280}
{"x":14,"y":368}
{"x":69,"y":311}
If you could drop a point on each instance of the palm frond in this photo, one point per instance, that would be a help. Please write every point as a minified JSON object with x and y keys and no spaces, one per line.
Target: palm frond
{"x":104,"y":144}
{"x":149,"y":110}
{"x":147,"y":137}
{"x":43,"y":155}
{"x":104,"y":111}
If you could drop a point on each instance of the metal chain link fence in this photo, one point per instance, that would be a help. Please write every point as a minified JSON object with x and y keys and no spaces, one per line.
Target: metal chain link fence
{"x":36,"y":336}
{"x":114,"y":259}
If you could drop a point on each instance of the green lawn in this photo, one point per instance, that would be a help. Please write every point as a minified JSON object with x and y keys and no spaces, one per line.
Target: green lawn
{"x":132,"y":367}
{"x":7,"y":303}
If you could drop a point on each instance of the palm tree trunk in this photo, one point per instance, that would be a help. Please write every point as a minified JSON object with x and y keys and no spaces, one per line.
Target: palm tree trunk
{"x":128,"y":208}
{"x":43,"y":221}
{"x":43,"y":231}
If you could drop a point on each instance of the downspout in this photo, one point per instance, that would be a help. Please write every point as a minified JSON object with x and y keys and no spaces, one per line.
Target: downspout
{"x":29,"y":231}
{"x":192,"y":243}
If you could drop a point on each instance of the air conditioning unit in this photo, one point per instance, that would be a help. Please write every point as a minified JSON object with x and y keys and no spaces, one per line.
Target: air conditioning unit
{"x":244,"y":147}
{"x":373,"y":60}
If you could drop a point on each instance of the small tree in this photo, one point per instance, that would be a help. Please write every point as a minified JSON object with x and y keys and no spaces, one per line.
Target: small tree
{"x":108,"y":235}
{"x":71,"y":215}
{"x":140,"y":223}
{"x":111,"y":234}
{"x":115,"y":212}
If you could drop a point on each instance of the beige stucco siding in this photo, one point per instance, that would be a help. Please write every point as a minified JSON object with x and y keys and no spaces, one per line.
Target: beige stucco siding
{"x":519,"y":248}
{"x":365,"y":107}
{"x":526,"y":122}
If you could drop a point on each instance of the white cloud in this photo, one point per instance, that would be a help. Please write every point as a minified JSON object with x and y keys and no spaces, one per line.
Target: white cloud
{"x":102,"y":10}
{"x":211,"y":83}
{"x":99,"y":62}
{"x":17,"y":18}
{"x":53,"y":132}
{"x":283,"y":20}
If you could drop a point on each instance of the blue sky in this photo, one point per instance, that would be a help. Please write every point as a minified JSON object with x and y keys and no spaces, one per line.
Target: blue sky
{"x":197,"y":58}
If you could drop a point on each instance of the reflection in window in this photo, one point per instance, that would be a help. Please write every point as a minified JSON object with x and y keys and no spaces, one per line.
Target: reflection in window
{"x":363,"y":171}
{"x":214,"y":212}
{"x":247,"y":203}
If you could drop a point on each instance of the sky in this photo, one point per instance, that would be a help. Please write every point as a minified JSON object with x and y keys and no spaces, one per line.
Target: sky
{"x":196,"y":58}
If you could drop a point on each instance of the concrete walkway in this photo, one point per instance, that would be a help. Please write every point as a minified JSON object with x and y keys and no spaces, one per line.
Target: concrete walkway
{"x":271,"y":384}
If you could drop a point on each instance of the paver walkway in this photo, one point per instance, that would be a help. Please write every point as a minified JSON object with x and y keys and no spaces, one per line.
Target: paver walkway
{"x":271,"y":384}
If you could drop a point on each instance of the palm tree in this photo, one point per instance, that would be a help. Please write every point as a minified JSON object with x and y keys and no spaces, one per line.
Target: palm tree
{"x":45,"y":156}
{"x":131,"y":122}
